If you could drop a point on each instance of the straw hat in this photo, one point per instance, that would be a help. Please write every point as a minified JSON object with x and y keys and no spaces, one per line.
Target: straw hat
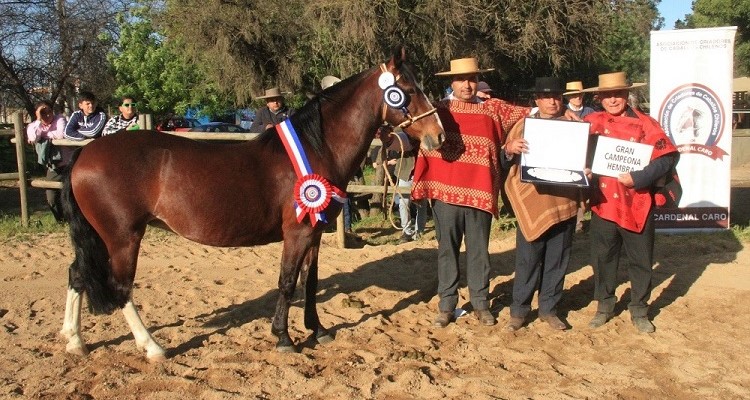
{"x":575,"y":87}
{"x":613,"y":81}
{"x":463,"y":66}
{"x":547,"y":84}
{"x":272,"y":92}
{"x":329,"y":81}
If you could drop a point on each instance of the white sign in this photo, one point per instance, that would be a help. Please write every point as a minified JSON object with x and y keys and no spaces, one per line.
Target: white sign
{"x":556,"y":151}
{"x":555,"y":143}
{"x":614,"y":156}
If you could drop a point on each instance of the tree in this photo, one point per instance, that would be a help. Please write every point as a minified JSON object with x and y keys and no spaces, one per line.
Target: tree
{"x":152,"y":69}
{"x":246,"y":45}
{"x":712,"y":13}
{"x":50,"y":48}
{"x":626,"y":44}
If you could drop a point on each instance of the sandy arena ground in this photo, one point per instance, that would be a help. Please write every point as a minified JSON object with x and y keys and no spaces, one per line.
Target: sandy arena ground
{"x":211,"y":309}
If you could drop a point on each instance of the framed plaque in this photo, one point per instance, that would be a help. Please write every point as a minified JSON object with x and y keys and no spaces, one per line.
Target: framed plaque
{"x":557,"y":152}
{"x":613,"y":157}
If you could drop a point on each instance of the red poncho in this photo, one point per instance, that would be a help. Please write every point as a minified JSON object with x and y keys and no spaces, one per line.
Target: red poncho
{"x":613,"y":201}
{"x":466,"y":169}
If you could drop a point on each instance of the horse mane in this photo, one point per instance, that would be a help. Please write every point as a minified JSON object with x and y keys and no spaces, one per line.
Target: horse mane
{"x":307,"y":120}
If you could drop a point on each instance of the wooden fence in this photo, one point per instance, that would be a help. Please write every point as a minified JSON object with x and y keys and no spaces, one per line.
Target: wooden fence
{"x":18,"y":137}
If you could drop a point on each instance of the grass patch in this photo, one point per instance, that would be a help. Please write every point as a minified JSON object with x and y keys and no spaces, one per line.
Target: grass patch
{"x":40,"y":223}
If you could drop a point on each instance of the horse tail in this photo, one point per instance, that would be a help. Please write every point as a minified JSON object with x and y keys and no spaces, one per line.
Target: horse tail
{"x":90,"y":271}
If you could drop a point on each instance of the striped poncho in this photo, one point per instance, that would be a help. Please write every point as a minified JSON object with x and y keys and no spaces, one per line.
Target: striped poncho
{"x":466,"y":170}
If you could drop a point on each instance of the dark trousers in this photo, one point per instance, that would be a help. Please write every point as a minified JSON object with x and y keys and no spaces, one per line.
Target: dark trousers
{"x":542,"y":265}
{"x":453,"y":224}
{"x":53,"y":195}
{"x":606,"y":240}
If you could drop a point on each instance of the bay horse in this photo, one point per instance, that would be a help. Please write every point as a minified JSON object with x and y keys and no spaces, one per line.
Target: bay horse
{"x":227,"y":195}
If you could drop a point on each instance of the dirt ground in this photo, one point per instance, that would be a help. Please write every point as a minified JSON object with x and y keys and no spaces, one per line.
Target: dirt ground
{"x":211,"y":309}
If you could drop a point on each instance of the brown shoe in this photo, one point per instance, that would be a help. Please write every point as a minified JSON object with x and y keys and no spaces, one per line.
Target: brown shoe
{"x":554,"y":322}
{"x":514,"y":324}
{"x":485,"y":317}
{"x":443,"y":319}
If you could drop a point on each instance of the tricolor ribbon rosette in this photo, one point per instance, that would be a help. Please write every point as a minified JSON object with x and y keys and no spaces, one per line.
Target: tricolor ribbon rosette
{"x":312,"y":192}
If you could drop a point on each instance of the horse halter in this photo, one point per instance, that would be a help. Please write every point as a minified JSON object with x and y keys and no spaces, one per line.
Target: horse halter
{"x":394,"y":97}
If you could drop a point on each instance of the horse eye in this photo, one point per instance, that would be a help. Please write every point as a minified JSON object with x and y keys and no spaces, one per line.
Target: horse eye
{"x":411,"y":91}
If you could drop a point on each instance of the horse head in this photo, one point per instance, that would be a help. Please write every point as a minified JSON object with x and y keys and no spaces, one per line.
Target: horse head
{"x":406,"y":106}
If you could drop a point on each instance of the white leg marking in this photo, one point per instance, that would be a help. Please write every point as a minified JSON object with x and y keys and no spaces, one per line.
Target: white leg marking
{"x":143,"y":338}
{"x":71,"y":329}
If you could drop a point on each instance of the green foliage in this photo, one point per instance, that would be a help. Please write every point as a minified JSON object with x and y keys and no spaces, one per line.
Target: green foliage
{"x":154,"y":71}
{"x":626,"y":46}
{"x":713,"y":13}
{"x":247,"y":46}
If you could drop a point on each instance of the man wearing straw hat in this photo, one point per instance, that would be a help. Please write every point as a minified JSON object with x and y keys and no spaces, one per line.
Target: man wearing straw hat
{"x":621,"y":206}
{"x":574,"y":95}
{"x":463,"y":180}
{"x":273,"y":113}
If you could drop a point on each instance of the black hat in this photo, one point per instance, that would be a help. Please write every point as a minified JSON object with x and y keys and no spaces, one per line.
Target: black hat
{"x":548,"y":84}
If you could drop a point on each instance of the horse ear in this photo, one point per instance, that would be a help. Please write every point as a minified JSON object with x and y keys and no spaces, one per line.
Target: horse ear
{"x":399,"y":56}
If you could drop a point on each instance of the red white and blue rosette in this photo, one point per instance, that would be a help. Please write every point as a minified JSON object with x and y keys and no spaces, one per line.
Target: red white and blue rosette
{"x":312,"y":192}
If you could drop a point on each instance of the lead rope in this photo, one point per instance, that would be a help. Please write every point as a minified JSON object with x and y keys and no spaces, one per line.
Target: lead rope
{"x":389,"y":181}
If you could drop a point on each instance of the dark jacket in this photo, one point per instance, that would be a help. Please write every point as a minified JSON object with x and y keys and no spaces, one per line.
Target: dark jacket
{"x":264,"y":116}
{"x":82,"y":127}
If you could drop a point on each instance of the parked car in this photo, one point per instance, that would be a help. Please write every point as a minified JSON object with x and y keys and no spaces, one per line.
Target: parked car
{"x":219,"y":127}
{"x":178,"y":124}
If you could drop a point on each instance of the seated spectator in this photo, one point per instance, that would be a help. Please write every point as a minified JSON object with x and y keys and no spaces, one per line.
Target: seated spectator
{"x":128,"y":118}
{"x":88,"y":122}
{"x":46,"y":127}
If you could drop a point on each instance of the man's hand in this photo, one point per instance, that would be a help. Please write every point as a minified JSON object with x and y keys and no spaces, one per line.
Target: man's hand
{"x":516,"y":146}
{"x":571,"y":116}
{"x":626,"y":179}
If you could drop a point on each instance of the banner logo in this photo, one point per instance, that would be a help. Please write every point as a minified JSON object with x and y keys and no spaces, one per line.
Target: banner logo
{"x":693,"y":117}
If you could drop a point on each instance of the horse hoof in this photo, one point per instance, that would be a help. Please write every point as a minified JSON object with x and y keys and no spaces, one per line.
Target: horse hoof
{"x":157,"y":358}
{"x":286,"y":349}
{"x":324,"y":339}
{"x":76,"y":350}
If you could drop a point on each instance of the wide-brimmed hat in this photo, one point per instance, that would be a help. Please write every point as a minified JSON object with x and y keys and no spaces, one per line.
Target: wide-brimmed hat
{"x":613,"y":81}
{"x":574,"y":87}
{"x":272,"y":92}
{"x":547,"y":84}
{"x":483,"y":86}
{"x":329,"y":81}
{"x":463,"y":66}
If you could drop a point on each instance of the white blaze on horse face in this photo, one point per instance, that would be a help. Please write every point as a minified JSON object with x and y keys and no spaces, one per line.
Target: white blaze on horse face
{"x":71,"y":329}
{"x":143,"y":338}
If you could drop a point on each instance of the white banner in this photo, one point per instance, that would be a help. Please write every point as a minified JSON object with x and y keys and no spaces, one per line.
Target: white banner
{"x":691,"y":97}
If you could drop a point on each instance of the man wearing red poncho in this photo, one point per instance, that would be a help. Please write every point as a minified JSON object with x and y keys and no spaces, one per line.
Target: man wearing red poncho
{"x":463,"y":180}
{"x":621,"y":206}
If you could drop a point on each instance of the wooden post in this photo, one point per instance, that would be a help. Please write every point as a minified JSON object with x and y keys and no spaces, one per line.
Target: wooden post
{"x":21,"y":159}
{"x":340,"y":234}
{"x":144,"y":121}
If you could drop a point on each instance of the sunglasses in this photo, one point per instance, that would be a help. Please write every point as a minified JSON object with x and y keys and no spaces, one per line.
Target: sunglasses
{"x":129,"y":104}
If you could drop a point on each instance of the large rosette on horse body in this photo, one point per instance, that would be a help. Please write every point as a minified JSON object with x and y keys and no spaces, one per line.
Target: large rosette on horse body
{"x":312,"y":194}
